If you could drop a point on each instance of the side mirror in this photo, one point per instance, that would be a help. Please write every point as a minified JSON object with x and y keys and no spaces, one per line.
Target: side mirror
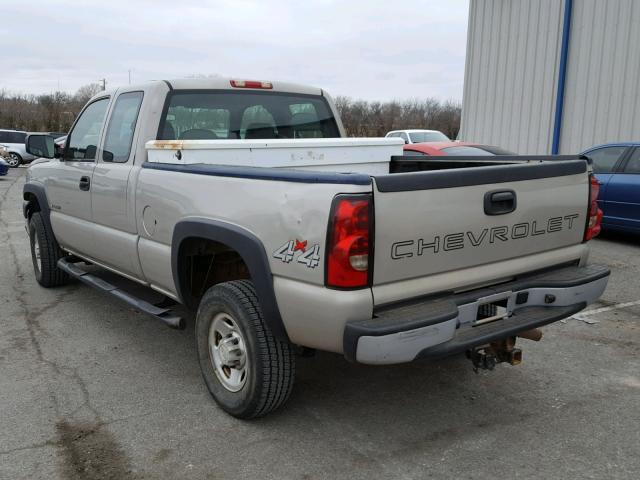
{"x":406,"y":141}
{"x":41,"y":145}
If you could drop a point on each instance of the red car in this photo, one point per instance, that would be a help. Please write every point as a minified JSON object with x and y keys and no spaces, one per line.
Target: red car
{"x":440,"y":149}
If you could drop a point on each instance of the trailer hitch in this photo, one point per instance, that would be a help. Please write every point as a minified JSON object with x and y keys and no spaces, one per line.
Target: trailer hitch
{"x":486,"y":357}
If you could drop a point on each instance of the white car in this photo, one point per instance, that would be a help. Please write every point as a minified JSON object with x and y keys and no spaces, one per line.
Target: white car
{"x":13,"y":140}
{"x":419,"y":136}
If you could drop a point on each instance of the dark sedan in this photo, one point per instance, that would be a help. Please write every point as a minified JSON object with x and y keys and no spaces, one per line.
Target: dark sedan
{"x":617,"y":168}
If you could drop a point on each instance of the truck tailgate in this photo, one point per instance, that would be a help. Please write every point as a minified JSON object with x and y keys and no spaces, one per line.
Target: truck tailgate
{"x":431,"y":222}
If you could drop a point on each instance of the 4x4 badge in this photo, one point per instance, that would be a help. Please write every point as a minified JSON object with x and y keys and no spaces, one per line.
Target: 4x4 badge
{"x":308,"y":256}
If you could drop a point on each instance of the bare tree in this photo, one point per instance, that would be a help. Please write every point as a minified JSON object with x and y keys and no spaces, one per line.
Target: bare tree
{"x":375,"y":119}
{"x":57,"y":111}
{"x":51,"y":112}
{"x":85,"y":92}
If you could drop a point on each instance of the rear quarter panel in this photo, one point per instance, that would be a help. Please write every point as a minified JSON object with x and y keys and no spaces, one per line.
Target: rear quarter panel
{"x":277,"y":212}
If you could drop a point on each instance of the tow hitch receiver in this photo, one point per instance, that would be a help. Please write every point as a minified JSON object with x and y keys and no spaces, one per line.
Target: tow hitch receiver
{"x":486,"y":357}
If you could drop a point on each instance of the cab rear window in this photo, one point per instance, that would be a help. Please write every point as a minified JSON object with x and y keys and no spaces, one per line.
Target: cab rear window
{"x":219,"y":115}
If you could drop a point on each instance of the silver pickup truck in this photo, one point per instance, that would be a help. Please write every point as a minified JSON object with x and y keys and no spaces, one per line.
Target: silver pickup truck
{"x":243,"y":201}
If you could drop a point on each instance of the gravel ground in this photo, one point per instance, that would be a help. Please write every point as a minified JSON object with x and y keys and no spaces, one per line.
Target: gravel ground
{"x":91,"y":389}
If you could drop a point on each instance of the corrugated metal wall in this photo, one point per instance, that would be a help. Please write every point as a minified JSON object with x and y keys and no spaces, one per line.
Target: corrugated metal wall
{"x":602,"y":93}
{"x":513,"y":52}
{"x":511,"y":74}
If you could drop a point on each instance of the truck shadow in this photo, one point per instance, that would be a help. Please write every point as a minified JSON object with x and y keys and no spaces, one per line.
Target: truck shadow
{"x":409,"y":406}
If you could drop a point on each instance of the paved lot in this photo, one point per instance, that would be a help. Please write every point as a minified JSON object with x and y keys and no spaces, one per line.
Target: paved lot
{"x":91,"y":389}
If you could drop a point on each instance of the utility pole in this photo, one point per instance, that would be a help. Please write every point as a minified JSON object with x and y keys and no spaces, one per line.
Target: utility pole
{"x":129,"y":76}
{"x":104,"y":83}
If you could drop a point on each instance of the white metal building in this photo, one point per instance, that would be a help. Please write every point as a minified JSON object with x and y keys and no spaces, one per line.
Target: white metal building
{"x":552,"y":76}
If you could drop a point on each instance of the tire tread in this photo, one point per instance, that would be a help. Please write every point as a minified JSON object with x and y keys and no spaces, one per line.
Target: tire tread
{"x":50,"y":253}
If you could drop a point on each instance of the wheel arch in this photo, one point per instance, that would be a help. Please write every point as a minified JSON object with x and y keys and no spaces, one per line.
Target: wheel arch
{"x":35,"y":200}
{"x":251,"y":252}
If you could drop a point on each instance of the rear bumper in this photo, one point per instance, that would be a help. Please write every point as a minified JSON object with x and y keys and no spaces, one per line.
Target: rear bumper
{"x":443,"y":326}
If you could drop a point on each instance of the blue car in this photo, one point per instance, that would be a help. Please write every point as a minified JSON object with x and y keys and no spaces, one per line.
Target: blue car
{"x":617,"y":168}
{"x":4,"y":167}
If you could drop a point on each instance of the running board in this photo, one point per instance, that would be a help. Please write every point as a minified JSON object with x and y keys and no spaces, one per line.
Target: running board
{"x":159,"y":313}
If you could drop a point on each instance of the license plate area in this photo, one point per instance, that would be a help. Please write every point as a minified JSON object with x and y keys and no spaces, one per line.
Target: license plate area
{"x":495,"y":307}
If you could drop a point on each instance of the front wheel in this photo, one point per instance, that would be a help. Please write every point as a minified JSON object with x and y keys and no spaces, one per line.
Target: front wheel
{"x":14,"y":160}
{"x":45,"y":253}
{"x":247,"y":370}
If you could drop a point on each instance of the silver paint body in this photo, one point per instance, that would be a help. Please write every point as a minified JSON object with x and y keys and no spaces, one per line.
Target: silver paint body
{"x":125,"y":222}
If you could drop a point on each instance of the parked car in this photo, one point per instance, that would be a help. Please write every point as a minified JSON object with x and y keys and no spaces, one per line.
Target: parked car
{"x":14,"y":141}
{"x":4,"y":167}
{"x":419,"y":136}
{"x":438,"y":149}
{"x":57,"y":134}
{"x":266,"y":228}
{"x":617,"y":168}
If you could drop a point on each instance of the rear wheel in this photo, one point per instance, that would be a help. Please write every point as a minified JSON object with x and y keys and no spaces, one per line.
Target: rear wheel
{"x":14,"y":160}
{"x":247,"y":370}
{"x":45,"y":253}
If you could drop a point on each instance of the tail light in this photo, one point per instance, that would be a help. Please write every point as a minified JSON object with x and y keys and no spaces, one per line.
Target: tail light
{"x":594,"y":215}
{"x":349,"y":242}
{"x":251,"y":84}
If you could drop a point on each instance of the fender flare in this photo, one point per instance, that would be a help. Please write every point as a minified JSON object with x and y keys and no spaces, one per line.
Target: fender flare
{"x":39,"y":192}
{"x":250,"y":249}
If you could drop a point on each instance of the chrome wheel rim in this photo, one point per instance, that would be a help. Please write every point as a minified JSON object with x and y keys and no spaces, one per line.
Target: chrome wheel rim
{"x":13,"y":161}
{"x":228,"y":353}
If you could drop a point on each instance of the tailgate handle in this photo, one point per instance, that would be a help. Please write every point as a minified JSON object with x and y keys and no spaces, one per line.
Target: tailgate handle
{"x":500,"y":202}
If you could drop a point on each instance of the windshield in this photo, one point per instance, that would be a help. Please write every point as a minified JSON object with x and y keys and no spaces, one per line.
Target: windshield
{"x":420,"y":137}
{"x":207,"y":115}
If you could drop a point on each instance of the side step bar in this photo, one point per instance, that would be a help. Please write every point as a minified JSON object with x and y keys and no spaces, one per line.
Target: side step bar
{"x":159,"y":313}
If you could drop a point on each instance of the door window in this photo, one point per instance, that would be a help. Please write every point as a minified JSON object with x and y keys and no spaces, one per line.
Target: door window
{"x":404,"y":137}
{"x":83,"y":139}
{"x":633,"y":165}
{"x":605,"y":159}
{"x":122,"y":125}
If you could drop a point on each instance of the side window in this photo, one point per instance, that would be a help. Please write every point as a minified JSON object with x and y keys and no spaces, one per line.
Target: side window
{"x":633,"y":165}
{"x":605,"y":159}
{"x":83,"y":139}
{"x":404,"y":137}
{"x":122,"y":124}
{"x":17,"y":137}
{"x":3,"y":137}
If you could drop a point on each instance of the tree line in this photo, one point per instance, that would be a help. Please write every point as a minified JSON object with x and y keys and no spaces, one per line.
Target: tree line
{"x":374,"y":119}
{"x":53,"y":112}
{"x":56,"y":112}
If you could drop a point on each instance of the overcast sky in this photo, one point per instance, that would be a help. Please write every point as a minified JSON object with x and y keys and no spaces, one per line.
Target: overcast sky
{"x":376,"y":50}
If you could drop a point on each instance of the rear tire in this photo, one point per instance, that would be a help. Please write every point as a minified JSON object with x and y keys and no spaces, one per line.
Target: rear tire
{"x":247,"y":370}
{"x":45,"y":253}
{"x":14,"y":160}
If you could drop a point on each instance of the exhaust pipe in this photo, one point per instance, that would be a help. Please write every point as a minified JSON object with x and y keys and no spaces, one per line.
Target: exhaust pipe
{"x":535,"y":334}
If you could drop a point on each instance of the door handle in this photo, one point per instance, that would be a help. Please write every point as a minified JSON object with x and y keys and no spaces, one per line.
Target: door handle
{"x":85,"y":183}
{"x":500,"y":202}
